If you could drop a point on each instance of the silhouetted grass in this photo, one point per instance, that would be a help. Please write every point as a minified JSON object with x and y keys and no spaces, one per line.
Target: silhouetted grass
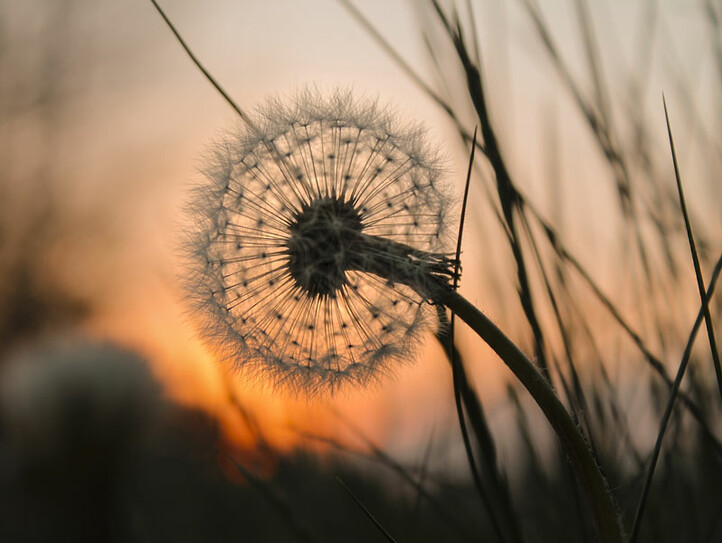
{"x":169,"y":475}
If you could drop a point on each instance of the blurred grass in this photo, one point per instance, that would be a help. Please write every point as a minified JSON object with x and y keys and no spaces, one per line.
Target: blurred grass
{"x":648,"y":279}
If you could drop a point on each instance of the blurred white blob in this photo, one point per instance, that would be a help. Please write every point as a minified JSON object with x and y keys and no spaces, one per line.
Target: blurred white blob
{"x":74,"y":399}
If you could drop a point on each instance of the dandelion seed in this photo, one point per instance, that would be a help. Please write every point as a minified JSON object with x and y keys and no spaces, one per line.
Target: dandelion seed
{"x":310,"y":229}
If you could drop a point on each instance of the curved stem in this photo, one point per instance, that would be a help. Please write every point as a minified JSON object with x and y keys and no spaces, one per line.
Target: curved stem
{"x":574,"y":444}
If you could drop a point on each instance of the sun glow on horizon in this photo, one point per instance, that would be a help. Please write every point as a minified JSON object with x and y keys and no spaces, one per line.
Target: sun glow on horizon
{"x":148,"y":319}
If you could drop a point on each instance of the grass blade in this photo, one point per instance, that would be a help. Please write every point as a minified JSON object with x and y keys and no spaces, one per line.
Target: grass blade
{"x":200,"y":66}
{"x":695,"y":257}
{"x":389,"y":50}
{"x":551,"y":233}
{"x":670,"y":404}
{"x":459,"y":376}
{"x":281,"y":502}
{"x":370,"y":516}
{"x":507,"y":193}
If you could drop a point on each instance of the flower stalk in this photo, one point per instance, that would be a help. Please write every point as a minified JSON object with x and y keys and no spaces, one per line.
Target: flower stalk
{"x":437,"y":289}
{"x":574,"y":444}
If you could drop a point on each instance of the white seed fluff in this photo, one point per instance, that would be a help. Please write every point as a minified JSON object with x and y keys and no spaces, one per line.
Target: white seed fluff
{"x":273,"y":272}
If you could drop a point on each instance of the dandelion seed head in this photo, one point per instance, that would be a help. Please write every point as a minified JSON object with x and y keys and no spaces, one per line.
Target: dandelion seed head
{"x":286,"y":262}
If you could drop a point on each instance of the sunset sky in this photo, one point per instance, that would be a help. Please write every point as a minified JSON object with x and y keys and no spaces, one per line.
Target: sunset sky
{"x":127,"y":126}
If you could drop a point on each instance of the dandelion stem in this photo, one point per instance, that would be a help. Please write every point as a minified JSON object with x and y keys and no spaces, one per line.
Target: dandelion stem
{"x":573,"y":442}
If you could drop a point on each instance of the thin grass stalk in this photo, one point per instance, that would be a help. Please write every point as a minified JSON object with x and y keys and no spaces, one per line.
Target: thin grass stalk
{"x":670,"y":404}
{"x":469,"y":406}
{"x":459,"y":377}
{"x":695,"y":257}
{"x":281,"y":502}
{"x":366,"y":512}
{"x":506,"y":191}
{"x":599,"y":121}
{"x":550,"y":231}
{"x":244,"y":116}
{"x":651,"y":359}
{"x":594,"y":64}
{"x":439,"y":507}
{"x":575,"y":393}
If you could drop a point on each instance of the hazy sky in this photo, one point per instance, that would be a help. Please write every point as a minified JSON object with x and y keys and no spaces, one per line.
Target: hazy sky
{"x":132,"y":118}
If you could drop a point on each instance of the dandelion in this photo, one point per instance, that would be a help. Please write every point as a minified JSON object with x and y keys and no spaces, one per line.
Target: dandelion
{"x":319,"y":241}
{"x":318,"y":250}
{"x":315,"y":254}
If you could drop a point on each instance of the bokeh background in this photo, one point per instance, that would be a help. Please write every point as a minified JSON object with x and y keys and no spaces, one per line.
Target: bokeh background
{"x":103,"y":125}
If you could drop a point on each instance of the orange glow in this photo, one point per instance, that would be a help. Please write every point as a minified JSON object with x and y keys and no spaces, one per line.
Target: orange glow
{"x":121,"y":152}
{"x":148,"y":318}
